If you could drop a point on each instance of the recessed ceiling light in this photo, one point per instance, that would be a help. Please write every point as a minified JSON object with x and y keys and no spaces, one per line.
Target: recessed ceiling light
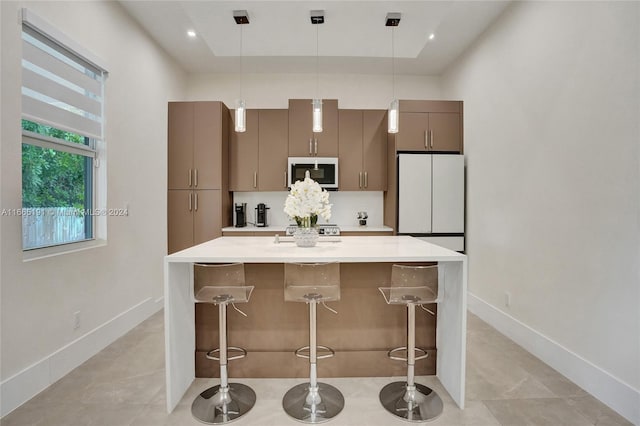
{"x":191,"y":33}
{"x":432,"y":36}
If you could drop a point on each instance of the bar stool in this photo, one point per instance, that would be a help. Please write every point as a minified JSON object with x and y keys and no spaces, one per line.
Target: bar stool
{"x":312,"y":283}
{"x":221,"y":285}
{"x":412,"y":286}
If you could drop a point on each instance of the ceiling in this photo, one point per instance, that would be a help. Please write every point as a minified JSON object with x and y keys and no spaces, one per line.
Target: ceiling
{"x":281,"y":39}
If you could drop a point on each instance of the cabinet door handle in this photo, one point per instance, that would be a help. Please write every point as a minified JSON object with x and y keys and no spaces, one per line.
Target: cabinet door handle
{"x":431,"y":138}
{"x":426,"y":139}
{"x":195,"y":179}
{"x":310,"y":146}
{"x":195,"y":195}
{"x":190,"y":206}
{"x":255,"y":179}
{"x":190,"y":178}
{"x":360,"y":180}
{"x":366,"y":180}
{"x":316,"y":145}
{"x":285,"y":180}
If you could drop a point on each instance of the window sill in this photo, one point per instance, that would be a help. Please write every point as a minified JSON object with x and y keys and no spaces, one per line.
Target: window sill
{"x":43,"y":253}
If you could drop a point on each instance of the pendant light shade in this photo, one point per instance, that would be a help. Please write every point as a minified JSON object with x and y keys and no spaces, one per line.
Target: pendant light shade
{"x":317,"y":115}
{"x":393,"y":116}
{"x":241,"y":116}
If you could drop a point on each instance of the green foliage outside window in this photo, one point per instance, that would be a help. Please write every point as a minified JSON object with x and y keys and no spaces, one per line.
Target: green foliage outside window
{"x":53,"y":178}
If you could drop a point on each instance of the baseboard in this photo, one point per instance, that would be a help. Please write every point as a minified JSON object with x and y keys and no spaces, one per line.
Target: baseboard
{"x":26,"y":384}
{"x":612,"y":391}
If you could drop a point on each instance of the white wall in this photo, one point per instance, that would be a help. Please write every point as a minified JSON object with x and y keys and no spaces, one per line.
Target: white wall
{"x":551,"y":98}
{"x":353,"y":91}
{"x":115,"y":286}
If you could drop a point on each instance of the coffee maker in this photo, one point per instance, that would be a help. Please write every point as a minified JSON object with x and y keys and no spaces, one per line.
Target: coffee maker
{"x":261,"y":215}
{"x":241,"y":215}
{"x":362,"y":218}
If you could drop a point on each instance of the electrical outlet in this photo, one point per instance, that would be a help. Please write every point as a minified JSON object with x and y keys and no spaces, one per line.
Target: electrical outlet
{"x":76,"y":320}
{"x":507,"y":299}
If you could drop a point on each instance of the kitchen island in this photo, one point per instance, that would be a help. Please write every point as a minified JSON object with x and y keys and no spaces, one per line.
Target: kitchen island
{"x":352,"y":252}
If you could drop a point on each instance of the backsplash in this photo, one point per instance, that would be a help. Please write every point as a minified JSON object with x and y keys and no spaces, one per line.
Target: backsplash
{"x":346,"y":205}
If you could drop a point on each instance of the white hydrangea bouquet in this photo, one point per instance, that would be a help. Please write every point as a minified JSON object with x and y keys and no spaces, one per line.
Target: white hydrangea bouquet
{"x":306,"y":202}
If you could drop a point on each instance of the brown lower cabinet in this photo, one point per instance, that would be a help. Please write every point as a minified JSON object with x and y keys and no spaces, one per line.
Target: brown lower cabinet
{"x":252,"y":233}
{"x":366,"y":233}
{"x":362,"y":332}
{"x":195,"y":216}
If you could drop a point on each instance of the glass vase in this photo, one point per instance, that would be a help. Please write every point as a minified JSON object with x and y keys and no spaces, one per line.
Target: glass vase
{"x":305,"y":236}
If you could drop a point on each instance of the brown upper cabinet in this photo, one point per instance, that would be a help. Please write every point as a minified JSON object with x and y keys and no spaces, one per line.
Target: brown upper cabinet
{"x":243,"y":154}
{"x":430,"y":126}
{"x":362,"y":150}
{"x":273,"y":149}
{"x":258,"y":157}
{"x":302,"y":141}
{"x":195,"y":135}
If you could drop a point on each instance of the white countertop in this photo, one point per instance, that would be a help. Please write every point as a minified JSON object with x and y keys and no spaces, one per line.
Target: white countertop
{"x":252,"y":228}
{"x":347,"y":249}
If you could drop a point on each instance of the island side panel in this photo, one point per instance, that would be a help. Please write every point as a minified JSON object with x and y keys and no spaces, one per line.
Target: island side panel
{"x":179,"y":330}
{"x":362,"y":332}
{"x":452,"y":329}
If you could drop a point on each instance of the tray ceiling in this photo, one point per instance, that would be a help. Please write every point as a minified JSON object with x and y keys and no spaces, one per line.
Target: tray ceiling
{"x":281,"y":39}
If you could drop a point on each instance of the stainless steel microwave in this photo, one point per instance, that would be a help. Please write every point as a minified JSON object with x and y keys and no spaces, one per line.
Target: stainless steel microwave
{"x":323,"y":170}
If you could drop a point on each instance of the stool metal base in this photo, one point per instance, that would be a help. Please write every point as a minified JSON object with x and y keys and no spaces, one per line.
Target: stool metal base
{"x":417,"y":405}
{"x":317,"y":406}
{"x":215,"y":407}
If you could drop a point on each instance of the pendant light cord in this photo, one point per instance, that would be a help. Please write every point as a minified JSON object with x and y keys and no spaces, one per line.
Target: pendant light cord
{"x":393,"y":64}
{"x":317,"y":66}
{"x":241,"y":67}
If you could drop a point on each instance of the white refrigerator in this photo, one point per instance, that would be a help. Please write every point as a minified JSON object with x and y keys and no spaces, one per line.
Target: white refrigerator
{"x":431,"y":198}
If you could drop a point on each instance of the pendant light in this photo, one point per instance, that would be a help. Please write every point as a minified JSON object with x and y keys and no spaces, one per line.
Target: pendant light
{"x":241,"y":17}
{"x":317,"y":17}
{"x":393,"y":116}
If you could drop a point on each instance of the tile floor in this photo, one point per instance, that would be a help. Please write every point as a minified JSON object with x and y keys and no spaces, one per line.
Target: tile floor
{"x":124,"y":386}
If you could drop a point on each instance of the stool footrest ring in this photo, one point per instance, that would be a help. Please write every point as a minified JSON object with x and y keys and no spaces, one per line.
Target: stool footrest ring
{"x":391,"y":355}
{"x":299,"y":352}
{"x":230,"y":349}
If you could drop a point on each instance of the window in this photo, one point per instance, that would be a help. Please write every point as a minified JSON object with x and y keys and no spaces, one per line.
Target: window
{"x":62,"y":138}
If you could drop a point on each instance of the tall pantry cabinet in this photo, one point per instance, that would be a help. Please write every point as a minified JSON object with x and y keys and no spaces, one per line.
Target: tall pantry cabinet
{"x":198,"y":199}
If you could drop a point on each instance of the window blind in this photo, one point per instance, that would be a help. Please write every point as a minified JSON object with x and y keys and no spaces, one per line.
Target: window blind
{"x":59,"y":87}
